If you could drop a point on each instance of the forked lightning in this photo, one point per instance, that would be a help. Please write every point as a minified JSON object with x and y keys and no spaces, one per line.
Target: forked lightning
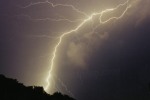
{"x":84,"y":21}
{"x":77,"y":28}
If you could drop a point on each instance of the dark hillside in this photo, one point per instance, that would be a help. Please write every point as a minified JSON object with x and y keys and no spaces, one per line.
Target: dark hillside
{"x":11,"y":89}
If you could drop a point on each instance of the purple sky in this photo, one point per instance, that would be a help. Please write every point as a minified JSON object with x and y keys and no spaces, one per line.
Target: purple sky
{"x":111,"y":63}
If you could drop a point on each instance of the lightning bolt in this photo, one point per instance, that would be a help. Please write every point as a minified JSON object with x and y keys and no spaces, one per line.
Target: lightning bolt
{"x":56,"y":5}
{"x":100,"y":14}
{"x":88,"y":18}
{"x":50,"y":19}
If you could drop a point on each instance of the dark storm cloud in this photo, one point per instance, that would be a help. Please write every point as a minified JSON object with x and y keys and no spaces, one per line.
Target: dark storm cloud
{"x":119,"y":64}
{"x":120,"y":70}
{"x":123,"y":65}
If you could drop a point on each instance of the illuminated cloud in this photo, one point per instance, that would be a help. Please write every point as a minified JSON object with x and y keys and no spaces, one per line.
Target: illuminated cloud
{"x":143,"y":12}
{"x":77,"y":54}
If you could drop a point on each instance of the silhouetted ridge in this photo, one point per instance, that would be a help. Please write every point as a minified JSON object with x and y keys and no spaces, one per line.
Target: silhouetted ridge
{"x":11,"y":89}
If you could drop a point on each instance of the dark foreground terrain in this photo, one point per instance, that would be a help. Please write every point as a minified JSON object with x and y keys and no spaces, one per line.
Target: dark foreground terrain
{"x":10,"y":89}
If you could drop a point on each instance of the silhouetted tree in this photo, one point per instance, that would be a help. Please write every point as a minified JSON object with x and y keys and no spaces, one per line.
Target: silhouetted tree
{"x":11,"y":89}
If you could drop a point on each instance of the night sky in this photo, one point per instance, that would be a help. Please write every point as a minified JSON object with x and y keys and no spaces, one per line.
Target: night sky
{"x":110,"y":63}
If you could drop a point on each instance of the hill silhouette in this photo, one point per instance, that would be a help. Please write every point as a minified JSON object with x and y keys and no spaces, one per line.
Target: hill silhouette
{"x":11,"y":89}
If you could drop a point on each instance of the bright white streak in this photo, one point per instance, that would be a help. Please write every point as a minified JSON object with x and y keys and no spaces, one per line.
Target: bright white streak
{"x":77,"y":28}
{"x":56,"y":5}
{"x":50,"y":19}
